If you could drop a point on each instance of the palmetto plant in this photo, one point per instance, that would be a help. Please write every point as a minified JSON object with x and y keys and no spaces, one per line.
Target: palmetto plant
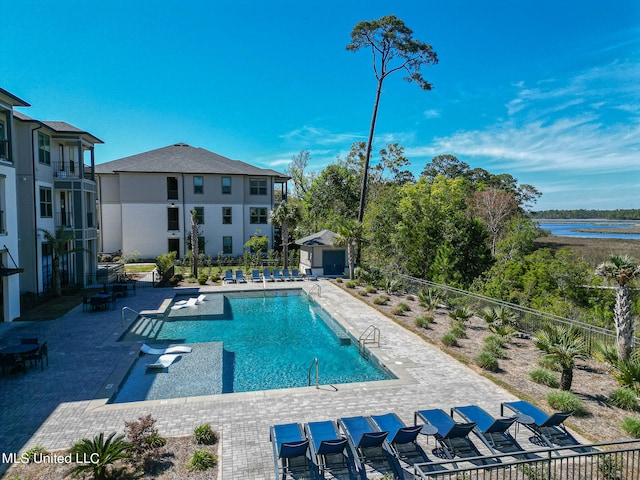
{"x":562,"y":346}
{"x":97,"y":455}
{"x":500,"y":320}
{"x":430,"y":298}
{"x":623,"y":270}
{"x":350,"y":233}
{"x":60,"y":243}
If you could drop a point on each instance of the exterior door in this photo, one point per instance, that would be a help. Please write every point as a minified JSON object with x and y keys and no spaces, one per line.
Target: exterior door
{"x":333,"y":262}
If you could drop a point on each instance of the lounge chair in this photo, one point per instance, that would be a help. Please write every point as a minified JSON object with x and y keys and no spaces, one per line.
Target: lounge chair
{"x":255,"y":276}
{"x":548,"y":429}
{"x":144,"y":348}
{"x":276,"y":275}
{"x":240,"y":277}
{"x":266,"y":275}
{"x":290,"y":451}
{"x":399,"y":433}
{"x":228,"y":277}
{"x":493,"y":432}
{"x":192,"y":302}
{"x":365,"y":441}
{"x":163,"y":361}
{"x":452,"y":436}
{"x":295,"y":274}
{"x":201,"y":298}
{"x":329,"y":449}
{"x":309,"y":274}
{"x":286,"y":275}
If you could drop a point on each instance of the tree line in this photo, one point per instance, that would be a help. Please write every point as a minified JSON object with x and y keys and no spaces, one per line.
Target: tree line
{"x":582,"y":214}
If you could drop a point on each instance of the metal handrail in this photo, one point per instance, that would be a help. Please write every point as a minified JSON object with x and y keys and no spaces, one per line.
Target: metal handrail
{"x":365,"y":337}
{"x":152,"y":320}
{"x":315,"y":362}
{"x":316,"y":287}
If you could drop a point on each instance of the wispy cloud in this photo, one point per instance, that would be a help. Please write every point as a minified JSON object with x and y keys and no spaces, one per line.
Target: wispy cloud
{"x":320,"y":136}
{"x":429,"y":114}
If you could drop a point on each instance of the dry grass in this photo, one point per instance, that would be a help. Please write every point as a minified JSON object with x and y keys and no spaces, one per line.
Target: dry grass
{"x":593,"y":250}
{"x":592,"y":383}
{"x":170,"y":467}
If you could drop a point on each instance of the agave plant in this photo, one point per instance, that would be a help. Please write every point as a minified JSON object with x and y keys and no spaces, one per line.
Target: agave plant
{"x":430,"y":298}
{"x":98,"y":455}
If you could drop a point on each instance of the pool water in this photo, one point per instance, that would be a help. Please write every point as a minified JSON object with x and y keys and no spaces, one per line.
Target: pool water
{"x":261,"y":342}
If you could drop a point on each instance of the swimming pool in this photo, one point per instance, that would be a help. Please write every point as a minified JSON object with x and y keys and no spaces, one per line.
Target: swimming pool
{"x":245,"y":342}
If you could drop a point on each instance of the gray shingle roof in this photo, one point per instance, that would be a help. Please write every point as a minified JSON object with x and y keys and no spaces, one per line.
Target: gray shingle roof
{"x":58,"y":127}
{"x":321,"y":238}
{"x":12,"y":99}
{"x":184,"y":159}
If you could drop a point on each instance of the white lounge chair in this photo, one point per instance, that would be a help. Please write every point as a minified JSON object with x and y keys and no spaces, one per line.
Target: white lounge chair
{"x":192,"y":302}
{"x":163,"y":361}
{"x":201,"y":299}
{"x":144,"y":348}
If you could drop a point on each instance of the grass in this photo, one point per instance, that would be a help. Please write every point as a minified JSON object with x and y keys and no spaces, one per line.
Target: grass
{"x":593,"y":250}
{"x":564,"y":401}
{"x":139,"y":267}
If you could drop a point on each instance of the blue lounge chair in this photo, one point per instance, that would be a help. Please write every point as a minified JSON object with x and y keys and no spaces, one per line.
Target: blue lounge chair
{"x":255,"y":276}
{"x":400,"y":435}
{"x":266,"y":275}
{"x":452,"y":436}
{"x":365,"y":441}
{"x":329,"y":449}
{"x":276,"y":275}
{"x":228,"y":277}
{"x":290,"y":451}
{"x":295,"y":274}
{"x":240,"y":277}
{"x":286,"y":275}
{"x":548,"y":429}
{"x":493,"y":432}
{"x":309,"y":274}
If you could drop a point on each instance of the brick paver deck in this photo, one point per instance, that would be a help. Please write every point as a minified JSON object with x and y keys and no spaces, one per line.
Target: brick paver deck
{"x":58,"y":406}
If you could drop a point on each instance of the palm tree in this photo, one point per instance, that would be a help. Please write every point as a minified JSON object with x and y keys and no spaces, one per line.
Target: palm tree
{"x":194,"y":244}
{"x":349,"y":234}
{"x":562,"y":346}
{"x":59,"y":243}
{"x":97,"y":455}
{"x":622,"y":269}
{"x":285,"y":216}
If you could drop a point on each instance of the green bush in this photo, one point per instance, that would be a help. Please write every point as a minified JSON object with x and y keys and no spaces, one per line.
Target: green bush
{"x":450,"y":340}
{"x":381,"y":300}
{"x":165,"y":261}
{"x":627,"y":373}
{"x":204,"y":435}
{"x":544,"y":377}
{"x":403,"y":307}
{"x":201,"y":460}
{"x":102,"y":452}
{"x":202,"y":279}
{"x":363,"y":293}
{"x":371,"y":289}
{"x":625,"y":398}
{"x":496,"y":350}
{"x":351,"y":284}
{"x":424,"y":321}
{"x":458,"y":330}
{"x":487,"y":361}
{"x":563,"y":400}
{"x":338,"y":280}
{"x":631,"y":425}
{"x":491,"y":340}
{"x":35,"y":452}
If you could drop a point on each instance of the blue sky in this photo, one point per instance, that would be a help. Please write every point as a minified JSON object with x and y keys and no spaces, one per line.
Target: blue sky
{"x":546,"y":90}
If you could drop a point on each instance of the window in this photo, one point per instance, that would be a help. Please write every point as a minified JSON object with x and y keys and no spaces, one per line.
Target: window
{"x":227,"y":245}
{"x":44,"y":149}
{"x":226,"y":215}
{"x":258,"y":186}
{"x":258,"y":215}
{"x":72,"y":159}
{"x":198,"y":185}
{"x":172,"y":188}
{"x":226,"y":184}
{"x":174,"y":246}
{"x":199,"y":215}
{"x":173,"y":219}
{"x":46,"y":203}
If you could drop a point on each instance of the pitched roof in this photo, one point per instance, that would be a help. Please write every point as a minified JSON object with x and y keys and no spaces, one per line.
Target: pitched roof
{"x":58,"y":127}
{"x":11,"y":99}
{"x":321,"y":238}
{"x":183,"y":158}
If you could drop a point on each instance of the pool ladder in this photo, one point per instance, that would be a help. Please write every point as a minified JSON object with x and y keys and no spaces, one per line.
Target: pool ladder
{"x":152,"y":321}
{"x":370,"y":335}
{"x":314,"y":363}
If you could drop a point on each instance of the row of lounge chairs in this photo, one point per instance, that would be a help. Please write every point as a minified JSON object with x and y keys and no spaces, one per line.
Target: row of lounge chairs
{"x":316,"y":448}
{"x":267,"y":276}
{"x":168,"y":355}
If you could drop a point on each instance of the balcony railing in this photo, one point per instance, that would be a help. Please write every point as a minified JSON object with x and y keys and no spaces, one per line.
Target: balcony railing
{"x":3,"y":224}
{"x":4,"y":150}
{"x":64,"y":169}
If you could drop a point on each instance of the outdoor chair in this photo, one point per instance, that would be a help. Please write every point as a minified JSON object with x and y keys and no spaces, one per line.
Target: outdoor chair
{"x":548,"y":429}
{"x":144,"y":348}
{"x":276,"y":275}
{"x":399,"y":433}
{"x":309,"y":274}
{"x":255,"y":276}
{"x":38,"y":356}
{"x":493,"y":432}
{"x":291,"y":454}
{"x":240,"y":277}
{"x":163,"y":361}
{"x":295,"y":274}
{"x":286,"y":275}
{"x":329,"y":449}
{"x":228,"y":277}
{"x":266,"y":275}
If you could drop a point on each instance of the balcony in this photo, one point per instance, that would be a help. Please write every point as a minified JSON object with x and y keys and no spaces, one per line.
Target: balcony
{"x":64,"y":219}
{"x":64,"y":169}
{"x":4,"y":150}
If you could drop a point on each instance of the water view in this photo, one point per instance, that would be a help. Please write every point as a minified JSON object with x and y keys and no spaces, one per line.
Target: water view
{"x":593,"y":228}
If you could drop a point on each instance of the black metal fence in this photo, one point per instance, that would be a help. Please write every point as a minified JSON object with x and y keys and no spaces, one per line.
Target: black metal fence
{"x":602,"y":461}
{"x":529,"y":321}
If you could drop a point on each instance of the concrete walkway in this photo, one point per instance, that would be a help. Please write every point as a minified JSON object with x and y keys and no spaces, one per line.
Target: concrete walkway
{"x":58,"y":406}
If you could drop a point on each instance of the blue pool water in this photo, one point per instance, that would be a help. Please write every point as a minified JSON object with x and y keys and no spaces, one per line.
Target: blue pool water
{"x":247,"y":343}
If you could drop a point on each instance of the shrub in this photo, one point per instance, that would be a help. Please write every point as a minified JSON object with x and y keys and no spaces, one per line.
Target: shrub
{"x":351,"y":284}
{"x":564,"y":401}
{"x":497,"y":340}
{"x":450,"y":340}
{"x":338,"y":280}
{"x":410,"y":298}
{"x":145,"y":441}
{"x":165,"y":261}
{"x":627,"y":372}
{"x":631,"y":425}
{"x":201,"y":460}
{"x":424,"y":321}
{"x":363,"y":293}
{"x":402,"y":307}
{"x":102,"y":452}
{"x":458,"y":330}
{"x":204,"y":435}
{"x":202,"y":279}
{"x":487,"y":361}
{"x":625,"y":398}
{"x":371,"y":289}
{"x":495,"y":349}
{"x":544,"y":377}
{"x":461,"y":314}
{"x":34,"y":453}
{"x":381,"y":300}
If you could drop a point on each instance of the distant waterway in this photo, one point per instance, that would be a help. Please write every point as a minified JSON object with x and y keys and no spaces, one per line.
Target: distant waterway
{"x":593,"y":228}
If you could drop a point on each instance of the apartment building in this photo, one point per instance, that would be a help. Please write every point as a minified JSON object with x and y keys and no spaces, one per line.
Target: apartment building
{"x":145,"y":202}
{"x":10,"y":268}
{"x":55,"y":171}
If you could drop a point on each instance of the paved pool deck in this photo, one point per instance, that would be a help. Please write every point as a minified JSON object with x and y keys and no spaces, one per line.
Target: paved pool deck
{"x":67,"y":400}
